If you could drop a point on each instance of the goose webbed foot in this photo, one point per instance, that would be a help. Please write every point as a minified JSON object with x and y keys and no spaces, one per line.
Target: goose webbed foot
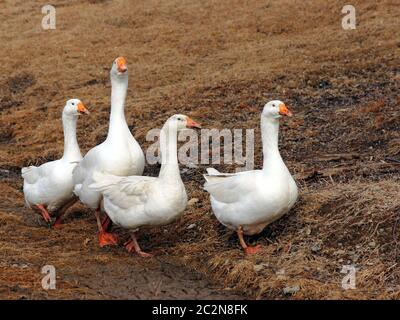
{"x":57,"y":224}
{"x":107,"y":239}
{"x":133,"y":246}
{"x":247,"y":249}
{"x":45,"y":214}
{"x":252,"y":250}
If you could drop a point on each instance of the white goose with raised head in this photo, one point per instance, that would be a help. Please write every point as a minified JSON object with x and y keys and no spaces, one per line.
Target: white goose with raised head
{"x":137,"y":201}
{"x":248,"y":201}
{"x":120,"y":154}
{"x":49,"y":187}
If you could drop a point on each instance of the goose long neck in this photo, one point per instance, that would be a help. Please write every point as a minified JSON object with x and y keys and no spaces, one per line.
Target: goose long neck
{"x":270,"y":136}
{"x":118,"y":123}
{"x":71,"y":147}
{"x":168,"y":148}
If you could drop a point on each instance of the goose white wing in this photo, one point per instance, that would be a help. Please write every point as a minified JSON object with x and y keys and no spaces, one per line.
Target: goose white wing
{"x":81,"y":171}
{"x":82,"y":174}
{"x":123,"y":192}
{"x":33,"y":174}
{"x":30,"y":174}
{"x":229,"y":187}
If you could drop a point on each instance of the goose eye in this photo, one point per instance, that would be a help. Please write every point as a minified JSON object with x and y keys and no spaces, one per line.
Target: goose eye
{"x":73,"y":103}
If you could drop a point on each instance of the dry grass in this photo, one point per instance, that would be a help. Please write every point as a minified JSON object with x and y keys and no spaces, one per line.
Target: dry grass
{"x":331,"y":226}
{"x":218,"y":62}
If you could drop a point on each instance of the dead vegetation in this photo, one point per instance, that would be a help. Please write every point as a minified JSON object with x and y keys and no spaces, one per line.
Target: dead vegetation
{"x":218,"y":62}
{"x":331,"y":226}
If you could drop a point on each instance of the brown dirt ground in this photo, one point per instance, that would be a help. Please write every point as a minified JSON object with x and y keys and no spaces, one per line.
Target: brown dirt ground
{"x":217,"y":61}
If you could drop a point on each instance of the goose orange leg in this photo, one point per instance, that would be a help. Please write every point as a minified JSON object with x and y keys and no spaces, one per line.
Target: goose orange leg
{"x":247,"y":249}
{"x":57,"y":224}
{"x":105,"y":238}
{"x":133,"y":246}
{"x":107,"y":223}
{"x":45,"y":214}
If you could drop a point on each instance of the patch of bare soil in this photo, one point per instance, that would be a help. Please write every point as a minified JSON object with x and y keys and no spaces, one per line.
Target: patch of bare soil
{"x":218,"y":62}
{"x":27,"y":245}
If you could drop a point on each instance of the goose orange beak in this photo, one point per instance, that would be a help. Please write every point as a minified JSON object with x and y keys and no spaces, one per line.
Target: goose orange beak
{"x":121,"y":65}
{"x":82,"y":109}
{"x":190,"y":123}
{"x":284,"y":111}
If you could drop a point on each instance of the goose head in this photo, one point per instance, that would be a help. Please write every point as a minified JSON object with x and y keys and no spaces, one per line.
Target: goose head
{"x":275,"y":109}
{"x":119,"y":69}
{"x":74,"y":107}
{"x":181,"y":122}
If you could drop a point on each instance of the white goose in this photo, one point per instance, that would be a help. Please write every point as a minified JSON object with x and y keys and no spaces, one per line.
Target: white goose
{"x":119,"y":154}
{"x":136,"y":201}
{"x":49,"y":187}
{"x":248,"y":201}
